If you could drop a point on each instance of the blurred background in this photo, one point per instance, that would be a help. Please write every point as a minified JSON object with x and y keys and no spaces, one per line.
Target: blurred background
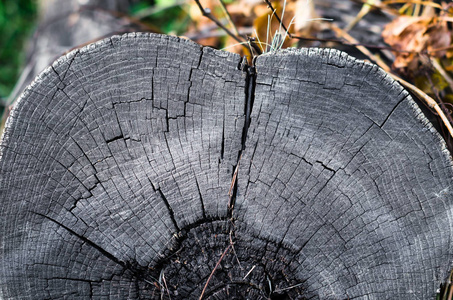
{"x":17,"y":21}
{"x":410,"y":38}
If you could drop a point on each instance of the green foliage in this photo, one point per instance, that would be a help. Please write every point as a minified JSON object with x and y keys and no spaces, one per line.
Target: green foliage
{"x":167,"y":16}
{"x":17,"y":18}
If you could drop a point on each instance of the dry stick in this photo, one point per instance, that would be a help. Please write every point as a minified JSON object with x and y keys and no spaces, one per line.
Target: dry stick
{"x":207,"y":13}
{"x":227,"y":14}
{"x":269,"y":4}
{"x":427,"y":99}
{"x":437,"y":50}
{"x":215,"y":268}
{"x":450,"y":293}
{"x":417,"y":8}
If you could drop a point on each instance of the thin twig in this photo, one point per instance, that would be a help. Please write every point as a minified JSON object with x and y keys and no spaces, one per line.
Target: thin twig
{"x":207,"y":13}
{"x":234,"y":251}
{"x":248,"y":273}
{"x":228,"y":16}
{"x":288,"y":288}
{"x":435,"y":50}
{"x":233,"y":183}
{"x":215,"y":268}
{"x":448,"y":289}
{"x":269,"y":4}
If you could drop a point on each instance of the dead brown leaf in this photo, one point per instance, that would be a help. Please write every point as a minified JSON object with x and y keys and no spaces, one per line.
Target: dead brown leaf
{"x":413,"y":36}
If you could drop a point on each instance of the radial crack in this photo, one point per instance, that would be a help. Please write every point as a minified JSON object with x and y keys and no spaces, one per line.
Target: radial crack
{"x":86,"y":240}
{"x":170,"y":210}
{"x":250,"y":83}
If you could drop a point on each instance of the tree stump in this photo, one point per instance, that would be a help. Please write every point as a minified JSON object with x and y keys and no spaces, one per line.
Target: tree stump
{"x":148,"y":167}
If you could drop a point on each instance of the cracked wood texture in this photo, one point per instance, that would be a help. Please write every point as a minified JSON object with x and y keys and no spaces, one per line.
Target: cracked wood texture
{"x":124,"y":175}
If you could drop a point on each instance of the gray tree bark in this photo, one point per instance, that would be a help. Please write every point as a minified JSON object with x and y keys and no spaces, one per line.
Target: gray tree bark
{"x":148,"y":167}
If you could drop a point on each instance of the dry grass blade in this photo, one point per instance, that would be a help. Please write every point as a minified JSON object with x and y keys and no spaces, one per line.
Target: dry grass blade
{"x":166,"y":287}
{"x":379,"y":5}
{"x":228,"y":16}
{"x":366,"y":8}
{"x":248,"y":273}
{"x":269,"y":4}
{"x":288,"y":288}
{"x":427,"y":3}
{"x":233,"y":183}
{"x":212,"y":273}
{"x":234,"y":251}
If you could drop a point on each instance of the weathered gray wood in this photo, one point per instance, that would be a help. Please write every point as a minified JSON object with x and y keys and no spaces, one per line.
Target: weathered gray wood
{"x":342,"y":168}
{"x":117,"y":163}
{"x":127,"y":142}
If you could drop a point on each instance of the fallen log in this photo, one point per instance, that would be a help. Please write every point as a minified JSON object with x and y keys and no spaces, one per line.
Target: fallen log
{"x":146,"y":166}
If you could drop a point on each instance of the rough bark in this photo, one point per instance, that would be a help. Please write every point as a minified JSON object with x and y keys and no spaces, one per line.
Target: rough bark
{"x":131,"y":166}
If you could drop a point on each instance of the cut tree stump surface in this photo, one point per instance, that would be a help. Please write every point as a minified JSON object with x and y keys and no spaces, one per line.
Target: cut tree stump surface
{"x":131,"y":165}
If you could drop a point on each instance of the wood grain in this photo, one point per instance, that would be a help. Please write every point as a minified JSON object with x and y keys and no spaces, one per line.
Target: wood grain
{"x":117,"y":163}
{"x":342,"y":167}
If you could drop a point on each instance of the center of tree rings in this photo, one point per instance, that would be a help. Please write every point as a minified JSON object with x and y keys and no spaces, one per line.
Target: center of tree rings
{"x":211,"y":260}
